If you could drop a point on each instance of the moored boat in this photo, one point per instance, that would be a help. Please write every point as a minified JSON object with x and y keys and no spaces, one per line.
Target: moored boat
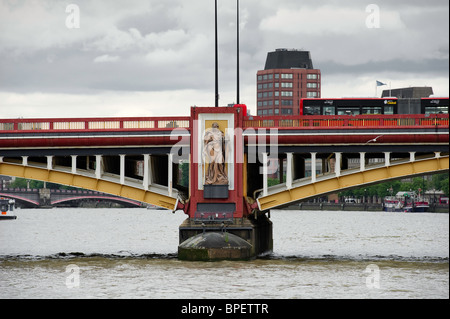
{"x":407,"y":202}
{"x":7,"y":208}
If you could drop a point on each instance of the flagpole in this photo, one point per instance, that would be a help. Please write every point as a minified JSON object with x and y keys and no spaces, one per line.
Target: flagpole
{"x":237,"y":62}
{"x":217,"y":60}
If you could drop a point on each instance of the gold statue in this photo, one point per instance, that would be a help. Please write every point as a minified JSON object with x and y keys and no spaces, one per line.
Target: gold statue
{"x":214,"y":154}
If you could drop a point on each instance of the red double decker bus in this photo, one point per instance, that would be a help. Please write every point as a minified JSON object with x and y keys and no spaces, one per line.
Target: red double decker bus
{"x":376,"y":106}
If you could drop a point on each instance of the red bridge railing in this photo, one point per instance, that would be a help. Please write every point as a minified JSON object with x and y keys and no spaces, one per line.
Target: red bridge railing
{"x":345,"y":121}
{"x":77,"y":124}
{"x":160,"y":123}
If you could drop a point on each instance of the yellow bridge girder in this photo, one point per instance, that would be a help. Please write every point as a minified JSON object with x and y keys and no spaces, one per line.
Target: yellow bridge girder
{"x":91,"y":183}
{"x":346,"y":181}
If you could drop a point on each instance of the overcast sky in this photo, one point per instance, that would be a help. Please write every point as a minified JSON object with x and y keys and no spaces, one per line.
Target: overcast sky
{"x":156,"y":57}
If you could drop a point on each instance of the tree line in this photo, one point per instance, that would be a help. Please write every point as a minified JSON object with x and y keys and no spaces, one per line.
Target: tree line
{"x":436,"y":182}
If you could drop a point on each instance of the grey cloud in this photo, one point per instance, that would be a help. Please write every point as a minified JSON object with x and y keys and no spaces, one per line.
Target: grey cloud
{"x":143,"y":57}
{"x":438,"y":67}
{"x":75,"y":71}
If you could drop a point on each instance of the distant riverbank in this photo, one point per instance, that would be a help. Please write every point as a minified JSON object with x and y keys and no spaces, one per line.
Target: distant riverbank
{"x":434,"y":208}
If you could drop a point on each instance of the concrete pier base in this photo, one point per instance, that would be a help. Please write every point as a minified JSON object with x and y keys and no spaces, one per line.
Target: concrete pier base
{"x":244,"y":238}
{"x":214,"y":246}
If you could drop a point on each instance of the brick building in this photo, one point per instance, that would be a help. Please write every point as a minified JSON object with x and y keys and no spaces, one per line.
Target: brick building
{"x":288,"y":76}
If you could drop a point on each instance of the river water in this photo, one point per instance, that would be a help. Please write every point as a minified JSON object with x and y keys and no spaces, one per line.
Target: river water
{"x":131,"y":253}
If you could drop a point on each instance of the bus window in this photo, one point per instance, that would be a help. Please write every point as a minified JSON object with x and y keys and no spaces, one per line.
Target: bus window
{"x":348,"y":111}
{"x":389,"y":110}
{"x":371,"y":110}
{"x":436,"y":110}
{"x":329,"y":110}
{"x":312,"y":110}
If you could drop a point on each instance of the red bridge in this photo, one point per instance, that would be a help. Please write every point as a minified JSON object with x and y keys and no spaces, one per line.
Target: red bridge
{"x":145,"y":159}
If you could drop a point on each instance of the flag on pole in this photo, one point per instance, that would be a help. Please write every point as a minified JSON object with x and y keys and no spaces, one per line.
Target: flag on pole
{"x":380,"y":83}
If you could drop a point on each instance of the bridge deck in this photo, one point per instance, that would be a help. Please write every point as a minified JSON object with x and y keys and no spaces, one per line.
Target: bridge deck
{"x":158,"y":134}
{"x":97,"y":153}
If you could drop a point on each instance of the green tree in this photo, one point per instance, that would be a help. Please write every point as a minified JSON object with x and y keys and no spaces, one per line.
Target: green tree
{"x":444,"y":186}
{"x":440,"y":182}
{"x":381,"y":190}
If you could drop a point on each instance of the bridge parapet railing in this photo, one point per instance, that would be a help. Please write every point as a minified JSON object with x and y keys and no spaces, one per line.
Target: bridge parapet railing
{"x":159,"y":123}
{"x":346,"y":121}
{"x":94,"y":124}
{"x":15,"y":190}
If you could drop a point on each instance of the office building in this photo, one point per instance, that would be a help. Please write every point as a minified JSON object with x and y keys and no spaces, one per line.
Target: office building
{"x":409,"y":93}
{"x":288,"y":76}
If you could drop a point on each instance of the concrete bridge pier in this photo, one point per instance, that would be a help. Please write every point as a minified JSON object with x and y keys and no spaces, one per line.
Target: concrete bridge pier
{"x":243,"y":238}
{"x":221,"y":224}
{"x":45,"y":198}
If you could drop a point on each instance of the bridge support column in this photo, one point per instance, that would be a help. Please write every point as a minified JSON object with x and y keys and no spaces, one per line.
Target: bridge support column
{"x":362,"y":161}
{"x":387,"y":158}
{"x":98,"y":166}
{"x":412,"y":156}
{"x":337,"y":165}
{"x":147,"y":172}
{"x":25,"y":160}
{"x":74,"y":164}
{"x":50,"y":162}
{"x":265,"y":173}
{"x":170,"y":173}
{"x":313,"y":168}
{"x":122,"y":169}
{"x":289,"y":171}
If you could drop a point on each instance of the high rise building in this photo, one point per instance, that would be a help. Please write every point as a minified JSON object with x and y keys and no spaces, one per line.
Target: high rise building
{"x":288,"y":76}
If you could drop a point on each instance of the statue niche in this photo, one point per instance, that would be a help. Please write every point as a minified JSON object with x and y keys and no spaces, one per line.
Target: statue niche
{"x":214,"y":153}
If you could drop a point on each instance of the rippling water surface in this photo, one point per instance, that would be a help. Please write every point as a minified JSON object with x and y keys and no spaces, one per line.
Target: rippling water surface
{"x":131,"y":253}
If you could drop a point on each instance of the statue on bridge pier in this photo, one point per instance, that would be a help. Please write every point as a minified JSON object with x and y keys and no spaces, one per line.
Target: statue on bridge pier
{"x":214,"y":153}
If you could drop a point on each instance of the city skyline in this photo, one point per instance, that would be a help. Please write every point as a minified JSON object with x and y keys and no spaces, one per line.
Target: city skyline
{"x":156,"y":58}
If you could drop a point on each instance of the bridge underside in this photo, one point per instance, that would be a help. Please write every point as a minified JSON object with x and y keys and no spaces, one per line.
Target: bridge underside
{"x":96,"y":180}
{"x":34,"y":200}
{"x":301,"y":189}
{"x":295,"y":176}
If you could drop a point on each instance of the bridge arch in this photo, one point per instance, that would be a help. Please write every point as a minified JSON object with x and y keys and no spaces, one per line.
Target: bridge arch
{"x":281,"y":195}
{"x":28,"y":201}
{"x":103,"y":198}
{"x":108,"y":185}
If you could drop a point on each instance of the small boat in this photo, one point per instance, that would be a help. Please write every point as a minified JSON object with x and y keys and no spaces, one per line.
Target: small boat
{"x":7,"y":208}
{"x":392,"y":204}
